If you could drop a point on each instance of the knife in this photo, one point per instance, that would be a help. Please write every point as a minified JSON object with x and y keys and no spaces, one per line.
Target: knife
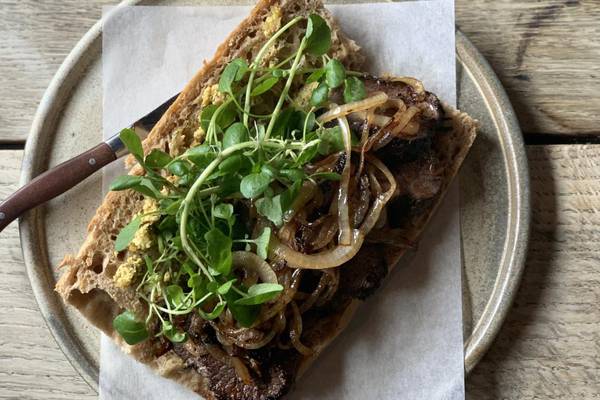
{"x":68,"y":174}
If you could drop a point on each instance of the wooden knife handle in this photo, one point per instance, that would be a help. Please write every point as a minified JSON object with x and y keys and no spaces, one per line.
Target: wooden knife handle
{"x":54,"y":182}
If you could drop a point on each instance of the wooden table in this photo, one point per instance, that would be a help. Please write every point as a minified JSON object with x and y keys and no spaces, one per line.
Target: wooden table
{"x":546,"y":52}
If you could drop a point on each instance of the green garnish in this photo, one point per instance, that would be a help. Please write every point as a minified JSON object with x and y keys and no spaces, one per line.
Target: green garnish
{"x":247,"y":156}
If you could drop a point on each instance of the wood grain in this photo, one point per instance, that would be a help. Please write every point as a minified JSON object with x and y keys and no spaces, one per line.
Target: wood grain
{"x":547,"y":55}
{"x":36,"y":37}
{"x":31,"y":364}
{"x":549,"y":347}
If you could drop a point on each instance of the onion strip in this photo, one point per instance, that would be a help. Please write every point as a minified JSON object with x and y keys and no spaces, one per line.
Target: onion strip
{"x":343,"y":213}
{"x":339,"y":254}
{"x":296,"y":332}
{"x":340,"y":111}
{"x":253,"y":263}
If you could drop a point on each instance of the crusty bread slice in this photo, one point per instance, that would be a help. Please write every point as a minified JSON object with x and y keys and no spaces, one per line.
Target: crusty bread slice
{"x":87,"y":280}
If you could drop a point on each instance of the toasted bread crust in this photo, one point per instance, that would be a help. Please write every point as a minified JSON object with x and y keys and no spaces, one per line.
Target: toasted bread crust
{"x":87,"y":283}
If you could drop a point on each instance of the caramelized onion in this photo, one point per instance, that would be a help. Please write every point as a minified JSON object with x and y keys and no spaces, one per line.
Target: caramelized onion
{"x":296,"y":332}
{"x":253,"y":263}
{"x":342,"y":200}
{"x":395,"y":126}
{"x":412,"y":82}
{"x":340,"y":111}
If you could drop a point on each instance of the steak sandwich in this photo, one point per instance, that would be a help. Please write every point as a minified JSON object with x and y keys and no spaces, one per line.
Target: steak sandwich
{"x":275,"y":194}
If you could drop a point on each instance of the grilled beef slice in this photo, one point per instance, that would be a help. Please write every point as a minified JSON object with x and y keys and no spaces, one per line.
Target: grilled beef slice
{"x":273,"y":370}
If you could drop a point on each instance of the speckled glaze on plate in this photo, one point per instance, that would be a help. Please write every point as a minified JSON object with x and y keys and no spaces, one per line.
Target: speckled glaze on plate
{"x":494,"y":190}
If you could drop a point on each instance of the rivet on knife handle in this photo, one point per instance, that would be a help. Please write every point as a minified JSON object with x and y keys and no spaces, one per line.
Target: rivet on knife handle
{"x":54,"y":182}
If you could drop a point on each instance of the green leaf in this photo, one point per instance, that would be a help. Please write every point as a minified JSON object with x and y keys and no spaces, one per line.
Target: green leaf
{"x":231,"y":164}
{"x":307,"y":155}
{"x":174,"y":295}
{"x":201,"y":155}
{"x":227,"y":116}
{"x":319,"y":95}
{"x":292,"y":174}
{"x":315,"y":76}
{"x":206,"y":115}
{"x":214,"y":313}
{"x":179,"y":168}
{"x":235,"y":134}
{"x":253,"y":185}
{"x":224,"y":211}
{"x":125,"y":182}
{"x":260,"y":293}
{"x":172,"y":333}
{"x":309,"y":122}
{"x":288,"y":196}
{"x":318,"y":35}
{"x":233,"y":72}
{"x":157,"y":159}
{"x":219,"y":250}
{"x":282,"y":123}
{"x":331,"y":140}
{"x":133,"y":143}
{"x":229,"y":185}
{"x":127,"y":233}
{"x":224,"y":288}
{"x":264,"y":86}
{"x":334,"y":73}
{"x":262,"y":243}
{"x":270,"y":207}
{"x":354,"y":89}
{"x":244,"y":315}
{"x":131,"y":330}
{"x":147,"y":188}
{"x":327,"y":176}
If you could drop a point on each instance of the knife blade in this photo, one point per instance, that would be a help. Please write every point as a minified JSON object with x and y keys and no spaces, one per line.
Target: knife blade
{"x":68,"y":174}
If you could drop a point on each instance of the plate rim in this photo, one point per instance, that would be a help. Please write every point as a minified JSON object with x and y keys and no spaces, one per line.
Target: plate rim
{"x":515,"y":244}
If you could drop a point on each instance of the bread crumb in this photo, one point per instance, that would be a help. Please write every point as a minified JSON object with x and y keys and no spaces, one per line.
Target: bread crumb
{"x":272,"y":22}
{"x":127,"y":271}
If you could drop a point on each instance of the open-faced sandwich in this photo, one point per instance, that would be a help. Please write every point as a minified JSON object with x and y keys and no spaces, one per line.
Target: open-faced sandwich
{"x":275,"y":193}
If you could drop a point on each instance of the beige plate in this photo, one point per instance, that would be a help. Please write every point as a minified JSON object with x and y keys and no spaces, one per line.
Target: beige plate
{"x":494,"y":198}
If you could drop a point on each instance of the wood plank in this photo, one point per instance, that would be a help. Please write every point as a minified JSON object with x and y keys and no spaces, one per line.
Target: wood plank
{"x":31,"y":363}
{"x":545,"y":52}
{"x":549,"y":347}
{"x":547,"y":55}
{"x":36,"y":38}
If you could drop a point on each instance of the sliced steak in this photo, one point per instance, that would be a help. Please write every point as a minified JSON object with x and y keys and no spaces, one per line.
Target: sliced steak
{"x":362,"y":275}
{"x":274,"y":378}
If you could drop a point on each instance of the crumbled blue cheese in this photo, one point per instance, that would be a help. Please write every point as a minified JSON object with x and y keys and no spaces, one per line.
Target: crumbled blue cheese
{"x":142,"y":239}
{"x":150,"y":211}
{"x":127,"y":271}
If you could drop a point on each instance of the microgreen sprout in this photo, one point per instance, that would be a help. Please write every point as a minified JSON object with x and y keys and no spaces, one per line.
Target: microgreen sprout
{"x":250,"y":155}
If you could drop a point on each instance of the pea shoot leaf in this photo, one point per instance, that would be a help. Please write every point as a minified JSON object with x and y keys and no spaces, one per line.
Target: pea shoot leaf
{"x":270,"y":207}
{"x":264,"y":86}
{"x":174,"y":295}
{"x":235,"y":134}
{"x":262,"y":243}
{"x":127,"y":233}
{"x":125,"y":182}
{"x":288,"y":196}
{"x":201,"y":155}
{"x":214,"y":313}
{"x":260,"y":293}
{"x":331,"y":140}
{"x":253,"y":185}
{"x":224,"y":288}
{"x":334,"y":73}
{"x":219,"y":250}
{"x":133,"y":143}
{"x":318,"y":35}
{"x":206,"y":115}
{"x":354,"y":89}
{"x":315,"y":76}
{"x":319,"y":95}
{"x":244,"y":315}
{"x":179,"y":168}
{"x":172,"y":333}
{"x":233,"y":72}
{"x":157,"y":159}
{"x":224,"y":211}
{"x":131,"y":330}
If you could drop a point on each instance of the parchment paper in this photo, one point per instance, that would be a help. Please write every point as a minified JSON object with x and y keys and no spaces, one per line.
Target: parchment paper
{"x":406,"y":341}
